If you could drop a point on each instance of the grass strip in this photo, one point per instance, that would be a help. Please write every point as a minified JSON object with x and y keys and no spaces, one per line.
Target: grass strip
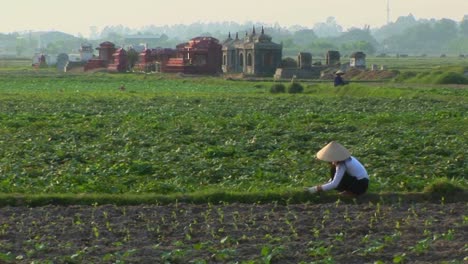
{"x":287,"y":197}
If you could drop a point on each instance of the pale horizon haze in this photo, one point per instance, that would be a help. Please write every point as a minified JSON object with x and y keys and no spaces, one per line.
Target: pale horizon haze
{"x":76,"y":17}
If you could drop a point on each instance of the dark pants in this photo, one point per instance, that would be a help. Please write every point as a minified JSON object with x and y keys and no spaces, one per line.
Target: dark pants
{"x":350,"y":183}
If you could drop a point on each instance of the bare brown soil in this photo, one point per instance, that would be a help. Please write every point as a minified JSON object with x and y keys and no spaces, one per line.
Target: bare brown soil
{"x":236,"y":233}
{"x":370,"y":75}
{"x":362,"y":75}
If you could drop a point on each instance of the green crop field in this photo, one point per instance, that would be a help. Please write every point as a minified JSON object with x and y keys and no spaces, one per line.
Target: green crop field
{"x":152,"y":168}
{"x":165,"y":135}
{"x":8,"y":63}
{"x":417,"y":63}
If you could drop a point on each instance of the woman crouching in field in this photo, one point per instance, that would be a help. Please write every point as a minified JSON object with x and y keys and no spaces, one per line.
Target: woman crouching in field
{"x":348,"y":175}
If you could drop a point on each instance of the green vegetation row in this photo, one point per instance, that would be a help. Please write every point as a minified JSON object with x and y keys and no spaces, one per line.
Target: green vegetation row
{"x":165,"y":135}
{"x":440,"y":191}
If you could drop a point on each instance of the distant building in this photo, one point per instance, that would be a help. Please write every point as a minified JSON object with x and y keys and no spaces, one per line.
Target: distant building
{"x":139,"y":39}
{"x":139,"y":48}
{"x":73,"y":57}
{"x":255,"y":54}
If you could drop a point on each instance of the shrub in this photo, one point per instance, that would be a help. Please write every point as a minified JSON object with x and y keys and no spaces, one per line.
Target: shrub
{"x":295,"y":88}
{"x":288,"y":63}
{"x":403,"y":76}
{"x":451,"y":78}
{"x":278,"y":88}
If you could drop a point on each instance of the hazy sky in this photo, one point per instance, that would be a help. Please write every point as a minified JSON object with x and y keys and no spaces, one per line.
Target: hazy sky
{"x":78,"y":15}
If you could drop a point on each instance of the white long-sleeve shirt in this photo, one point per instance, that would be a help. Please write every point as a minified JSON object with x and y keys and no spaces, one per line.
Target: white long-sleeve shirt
{"x":352,"y":166}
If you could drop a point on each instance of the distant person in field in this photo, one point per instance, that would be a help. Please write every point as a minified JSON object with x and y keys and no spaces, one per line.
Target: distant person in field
{"x":339,"y":79}
{"x":348,"y":175}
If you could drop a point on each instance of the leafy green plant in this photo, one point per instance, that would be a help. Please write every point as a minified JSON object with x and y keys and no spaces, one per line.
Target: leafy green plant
{"x":295,"y":87}
{"x":399,"y":258}
{"x":278,"y":88}
{"x":268,"y":253}
{"x":318,"y":249}
{"x":421,"y":246}
{"x":7,"y":257}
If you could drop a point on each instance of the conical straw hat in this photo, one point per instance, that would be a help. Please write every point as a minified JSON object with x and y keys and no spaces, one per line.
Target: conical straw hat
{"x":333,"y":152}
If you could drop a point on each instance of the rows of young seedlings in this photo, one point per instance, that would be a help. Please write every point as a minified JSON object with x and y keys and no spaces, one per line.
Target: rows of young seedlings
{"x":236,"y":233}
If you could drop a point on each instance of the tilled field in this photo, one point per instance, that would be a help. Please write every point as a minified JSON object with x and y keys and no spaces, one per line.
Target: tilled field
{"x":367,"y":232}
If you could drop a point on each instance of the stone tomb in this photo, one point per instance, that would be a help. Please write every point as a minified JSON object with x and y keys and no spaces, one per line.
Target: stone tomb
{"x":304,"y":60}
{"x":201,"y":55}
{"x":120,"y":61}
{"x":146,"y":61}
{"x":358,"y":60}
{"x":62,"y":62}
{"x":106,"y":50}
{"x":333,"y":57}
{"x":86,"y":52}
{"x":304,"y":69}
